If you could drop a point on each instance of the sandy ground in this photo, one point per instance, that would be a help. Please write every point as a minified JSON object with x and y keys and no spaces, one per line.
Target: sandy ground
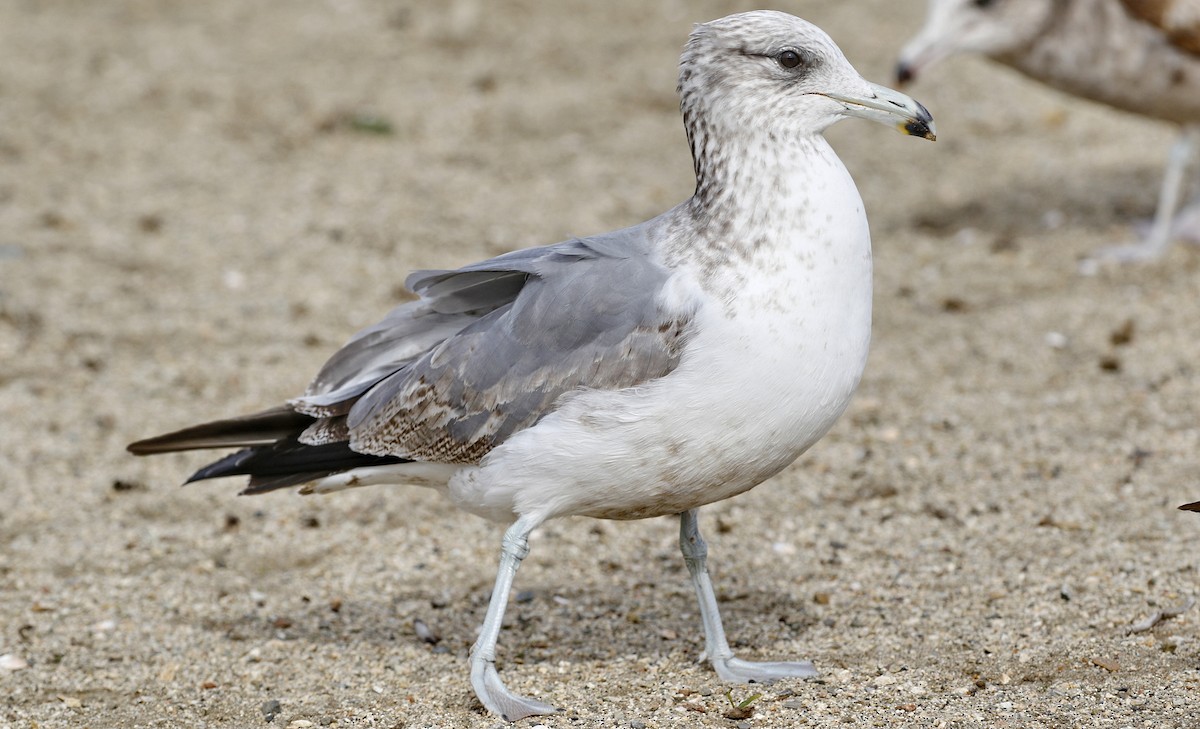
{"x":199,"y":201}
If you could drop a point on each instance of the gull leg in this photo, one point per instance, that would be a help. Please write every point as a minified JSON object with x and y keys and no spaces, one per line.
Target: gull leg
{"x":484,"y":679}
{"x":716,"y":648}
{"x":1187,"y":223}
{"x":1163,"y":229}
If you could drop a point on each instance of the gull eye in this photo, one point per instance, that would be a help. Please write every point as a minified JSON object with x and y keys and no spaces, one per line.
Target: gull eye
{"x":789,"y":59}
{"x":984,"y":3}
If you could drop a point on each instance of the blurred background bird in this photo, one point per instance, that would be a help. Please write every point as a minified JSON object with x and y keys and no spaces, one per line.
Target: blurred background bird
{"x":1141,"y":56}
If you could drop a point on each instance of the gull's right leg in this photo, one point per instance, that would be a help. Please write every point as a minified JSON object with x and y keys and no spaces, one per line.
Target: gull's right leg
{"x":484,"y":679}
{"x":1165,"y":224}
{"x":716,"y":647}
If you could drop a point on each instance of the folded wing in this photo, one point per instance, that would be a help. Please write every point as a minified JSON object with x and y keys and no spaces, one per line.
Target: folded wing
{"x":484,"y":352}
{"x":586,"y":313}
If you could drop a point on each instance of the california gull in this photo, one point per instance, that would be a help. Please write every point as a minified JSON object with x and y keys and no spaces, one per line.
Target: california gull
{"x":638,"y":373}
{"x":1141,"y":56}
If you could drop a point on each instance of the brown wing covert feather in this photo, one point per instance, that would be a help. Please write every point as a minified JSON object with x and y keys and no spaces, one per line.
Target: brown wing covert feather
{"x":1179,"y":20}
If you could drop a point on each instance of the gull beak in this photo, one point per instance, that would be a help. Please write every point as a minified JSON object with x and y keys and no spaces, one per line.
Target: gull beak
{"x":889,"y":107}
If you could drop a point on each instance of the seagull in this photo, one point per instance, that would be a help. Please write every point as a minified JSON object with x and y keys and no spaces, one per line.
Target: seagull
{"x":639,"y":373}
{"x":1141,"y":56}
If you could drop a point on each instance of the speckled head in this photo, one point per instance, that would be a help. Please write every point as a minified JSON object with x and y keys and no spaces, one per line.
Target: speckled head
{"x":767,"y":74}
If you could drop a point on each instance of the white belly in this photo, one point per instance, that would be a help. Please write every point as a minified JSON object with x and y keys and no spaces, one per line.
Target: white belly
{"x":762,"y":379}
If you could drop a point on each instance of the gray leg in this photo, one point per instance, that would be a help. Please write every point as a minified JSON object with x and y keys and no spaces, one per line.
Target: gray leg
{"x":484,"y":678}
{"x":716,"y":648}
{"x":1163,"y":229}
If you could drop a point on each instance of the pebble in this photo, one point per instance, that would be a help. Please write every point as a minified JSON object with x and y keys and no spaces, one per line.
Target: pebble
{"x":1056,"y":340}
{"x":635,"y":724}
{"x":9,"y":662}
{"x":271,"y":708}
{"x":424,"y":633}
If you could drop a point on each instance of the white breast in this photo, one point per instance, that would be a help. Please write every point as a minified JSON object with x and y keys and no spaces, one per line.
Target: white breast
{"x":766,"y":373}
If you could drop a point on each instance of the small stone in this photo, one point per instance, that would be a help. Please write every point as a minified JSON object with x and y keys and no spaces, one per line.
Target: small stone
{"x":300,"y":724}
{"x":743,"y":725}
{"x":70,"y":702}
{"x":635,"y":724}
{"x":425,"y":634}
{"x":1122,"y":335}
{"x":1056,"y":340}
{"x":9,"y":662}
{"x":233,"y":279}
{"x":271,"y":708}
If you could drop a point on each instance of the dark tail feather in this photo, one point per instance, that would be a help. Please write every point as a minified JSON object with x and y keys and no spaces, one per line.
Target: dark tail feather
{"x":289,"y":462}
{"x":258,"y":429}
{"x":274,"y":459}
{"x":1194,"y":506}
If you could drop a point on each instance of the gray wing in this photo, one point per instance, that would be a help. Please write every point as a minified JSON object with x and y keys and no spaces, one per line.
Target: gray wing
{"x":488,"y":349}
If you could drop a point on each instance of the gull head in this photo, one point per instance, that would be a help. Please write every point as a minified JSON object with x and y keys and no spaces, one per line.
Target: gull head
{"x":987,"y":27}
{"x":774,"y":73}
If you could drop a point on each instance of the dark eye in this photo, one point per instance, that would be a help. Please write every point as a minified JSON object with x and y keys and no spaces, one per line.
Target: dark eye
{"x":789,"y":59}
{"x":984,"y":3}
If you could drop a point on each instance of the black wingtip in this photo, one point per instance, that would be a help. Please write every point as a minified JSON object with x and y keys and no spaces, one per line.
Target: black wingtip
{"x":256,"y":429}
{"x":1194,"y":506}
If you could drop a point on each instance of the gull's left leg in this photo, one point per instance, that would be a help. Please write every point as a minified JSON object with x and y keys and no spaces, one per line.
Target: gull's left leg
{"x":484,"y":679}
{"x":716,"y":648}
{"x":1186,"y":225}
